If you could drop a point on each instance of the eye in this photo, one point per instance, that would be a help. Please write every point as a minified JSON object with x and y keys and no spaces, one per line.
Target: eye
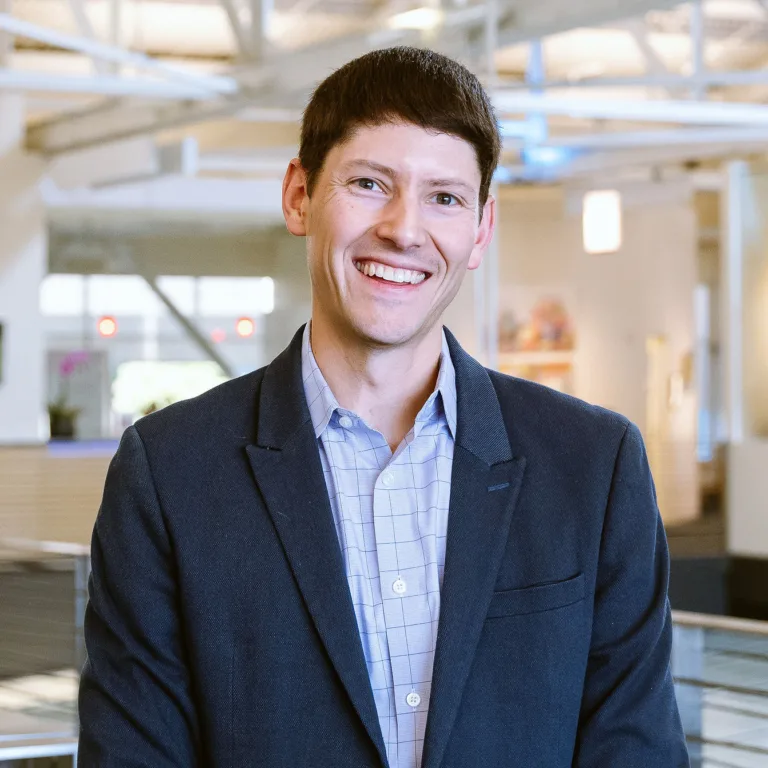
{"x":445,"y":199}
{"x":367,"y":184}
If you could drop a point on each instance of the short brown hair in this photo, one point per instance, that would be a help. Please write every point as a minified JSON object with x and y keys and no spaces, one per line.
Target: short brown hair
{"x":400,"y":85}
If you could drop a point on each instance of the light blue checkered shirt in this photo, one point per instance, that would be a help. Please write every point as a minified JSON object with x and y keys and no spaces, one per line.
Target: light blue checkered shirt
{"x":391,"y":515}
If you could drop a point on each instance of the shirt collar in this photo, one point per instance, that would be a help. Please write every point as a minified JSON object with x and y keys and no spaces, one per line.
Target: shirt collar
{"x":323,"y":404}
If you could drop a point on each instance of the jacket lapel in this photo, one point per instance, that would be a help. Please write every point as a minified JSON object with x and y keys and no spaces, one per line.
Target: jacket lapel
{"x":286,"y":464}
{"x":485,"y":484}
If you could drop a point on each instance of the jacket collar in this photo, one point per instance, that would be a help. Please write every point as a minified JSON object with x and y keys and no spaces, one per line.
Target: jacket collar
{"x":478,"y":424}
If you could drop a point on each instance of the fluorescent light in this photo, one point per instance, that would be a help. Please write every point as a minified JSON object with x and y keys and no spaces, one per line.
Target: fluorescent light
{"x":602,"y":221}
{"x":418,"y":18}
{"x":546,"y":157}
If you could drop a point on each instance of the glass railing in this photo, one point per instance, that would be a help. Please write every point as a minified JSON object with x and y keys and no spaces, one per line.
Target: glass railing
{"x":720,"y":665}
{"x":43,"y":589}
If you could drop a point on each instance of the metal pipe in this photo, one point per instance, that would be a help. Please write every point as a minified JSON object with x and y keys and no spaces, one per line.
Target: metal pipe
{"x":698,"y":42}
{"x":94,"y":49}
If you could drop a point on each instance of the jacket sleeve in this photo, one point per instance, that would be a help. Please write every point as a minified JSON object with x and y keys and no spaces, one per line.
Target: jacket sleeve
{"x":135,"y":700}
{"x":629,"y":714}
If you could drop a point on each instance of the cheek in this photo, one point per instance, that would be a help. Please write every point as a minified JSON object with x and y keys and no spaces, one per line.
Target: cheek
{"x":456,"y":244}
{"x":342,"y":224}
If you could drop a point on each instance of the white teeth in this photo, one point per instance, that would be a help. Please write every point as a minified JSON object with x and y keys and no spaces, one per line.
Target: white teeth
{"x":391,"y":274}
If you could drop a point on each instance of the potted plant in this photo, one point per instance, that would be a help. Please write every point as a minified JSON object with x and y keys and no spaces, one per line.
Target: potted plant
{"x":63,"y":417}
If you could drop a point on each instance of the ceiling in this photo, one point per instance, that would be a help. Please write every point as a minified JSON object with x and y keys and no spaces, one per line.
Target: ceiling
{"x":233,"y":75}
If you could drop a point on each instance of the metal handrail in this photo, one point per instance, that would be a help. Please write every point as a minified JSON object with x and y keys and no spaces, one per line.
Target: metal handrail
{"x":724,"y":623}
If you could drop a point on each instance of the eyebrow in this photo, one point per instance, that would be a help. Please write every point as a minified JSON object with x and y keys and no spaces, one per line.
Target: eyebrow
{"x":468,"y":189}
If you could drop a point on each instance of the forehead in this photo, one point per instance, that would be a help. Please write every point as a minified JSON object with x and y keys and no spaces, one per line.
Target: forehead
{"x":408,"y":150}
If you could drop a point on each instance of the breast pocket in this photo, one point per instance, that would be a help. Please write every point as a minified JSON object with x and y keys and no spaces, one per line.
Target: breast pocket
{"x":536,"y":599}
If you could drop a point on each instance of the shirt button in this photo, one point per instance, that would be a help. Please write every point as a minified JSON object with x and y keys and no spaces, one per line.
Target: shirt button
{"x":346,"y":422}
{"x":387,"y":479}
{"x":413,"y":700}
{"x":400,"y":587}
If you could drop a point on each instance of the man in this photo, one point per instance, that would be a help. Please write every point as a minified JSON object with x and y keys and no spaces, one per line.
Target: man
{"x":374,"y":552}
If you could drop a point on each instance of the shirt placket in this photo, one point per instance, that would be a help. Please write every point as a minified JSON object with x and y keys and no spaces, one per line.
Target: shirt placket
{"x":402,"y":579}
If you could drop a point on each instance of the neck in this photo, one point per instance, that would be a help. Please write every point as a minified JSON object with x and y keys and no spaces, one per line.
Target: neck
{"x":385,"y":386}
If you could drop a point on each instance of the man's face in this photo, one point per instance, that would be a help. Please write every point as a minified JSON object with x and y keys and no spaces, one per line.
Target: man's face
{"x":392,"y":226}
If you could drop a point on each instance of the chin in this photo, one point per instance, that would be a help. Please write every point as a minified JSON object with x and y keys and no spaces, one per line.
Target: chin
{"x":387,"y":333}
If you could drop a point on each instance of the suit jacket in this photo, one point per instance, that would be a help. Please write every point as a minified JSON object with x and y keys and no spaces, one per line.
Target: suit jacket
{"x":220,"y":630}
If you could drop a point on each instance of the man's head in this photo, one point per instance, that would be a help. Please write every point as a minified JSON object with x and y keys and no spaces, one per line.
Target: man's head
{"x":397,"y":153}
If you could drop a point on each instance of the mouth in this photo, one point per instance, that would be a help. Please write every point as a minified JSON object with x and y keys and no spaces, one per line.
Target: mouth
{"x":387,"y":274}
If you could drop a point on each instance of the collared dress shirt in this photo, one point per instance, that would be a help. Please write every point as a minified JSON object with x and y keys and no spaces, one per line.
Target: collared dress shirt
{"x":391,"y":516}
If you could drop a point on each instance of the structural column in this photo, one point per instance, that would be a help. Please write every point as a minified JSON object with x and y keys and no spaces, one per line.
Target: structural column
{"x":23,"y":245}
{"x":745,"y":334}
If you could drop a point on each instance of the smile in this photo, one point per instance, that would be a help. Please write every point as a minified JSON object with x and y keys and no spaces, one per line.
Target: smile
{"x":390,"y":274}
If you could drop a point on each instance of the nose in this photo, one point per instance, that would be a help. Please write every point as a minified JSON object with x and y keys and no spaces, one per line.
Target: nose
{"x":401,"y":223}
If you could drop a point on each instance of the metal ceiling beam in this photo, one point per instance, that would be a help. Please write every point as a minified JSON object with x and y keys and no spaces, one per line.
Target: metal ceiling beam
{"x":641,"y":110}
{"x":85,"y":28}
{"x":192,"y":330}
{"x":286,"y":80}
{"x":523,"y":20}
{"x":680,"y":137}
{"x":669,"y":81}
{"x":639,"y":33}
{"x":93,"y":125}
{"x":206,"y":84}
{"x":237,"y":28}
{"x":96,"y":85}
{"x":6,"y":40}
{"x":261,"y":17}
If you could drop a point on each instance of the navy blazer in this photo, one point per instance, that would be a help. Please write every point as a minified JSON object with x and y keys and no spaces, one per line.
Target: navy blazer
{"x":220,"y":630}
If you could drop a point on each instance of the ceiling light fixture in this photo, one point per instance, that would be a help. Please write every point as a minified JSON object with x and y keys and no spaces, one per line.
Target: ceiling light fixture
{"x":602,"y":221}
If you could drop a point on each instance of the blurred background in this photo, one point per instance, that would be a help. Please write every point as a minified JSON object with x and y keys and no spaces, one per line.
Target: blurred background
{"x":144,"y":259}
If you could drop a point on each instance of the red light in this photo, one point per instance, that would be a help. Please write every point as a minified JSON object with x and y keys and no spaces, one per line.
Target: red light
{"x":218,"y":335}
{"x":107,"y":327}
{"x":245,"y":327}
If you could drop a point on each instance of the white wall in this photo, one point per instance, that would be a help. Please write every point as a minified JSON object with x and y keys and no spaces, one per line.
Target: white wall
{"x":22,"y":266}
{"x":745,"y":278}
{"x":748,"y":498}
{"x":618,"y":302}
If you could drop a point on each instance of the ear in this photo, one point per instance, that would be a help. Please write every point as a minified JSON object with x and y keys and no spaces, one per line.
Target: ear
{"x":484,"y":233}
{"x":295,"y":198}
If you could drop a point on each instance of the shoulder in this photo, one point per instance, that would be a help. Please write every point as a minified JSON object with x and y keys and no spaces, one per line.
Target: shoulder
{"x":224,"y":414}
{"x":531,"y":409}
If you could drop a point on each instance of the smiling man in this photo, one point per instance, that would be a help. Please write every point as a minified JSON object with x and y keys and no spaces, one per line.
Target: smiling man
{"x":374,"y":552}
